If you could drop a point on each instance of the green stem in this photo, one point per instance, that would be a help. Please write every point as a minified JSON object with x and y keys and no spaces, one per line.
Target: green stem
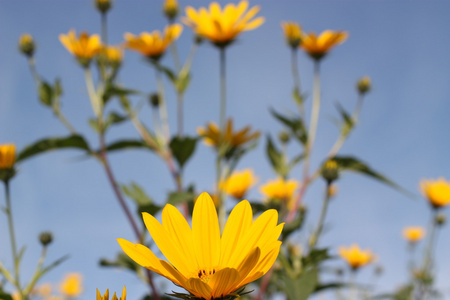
{"x":315,"y":237}
{"x":163,"y":107}
{"x":104,"y":28}
{"x":64,"y":121}
{"x":352,"y":285}
{"x":223,"y":107}
{"x":96,"y":103}
{"x":223,"y":92}
{"x":180,"y":113}
{"x":314,"y":117}
{"x":296,"y":76}
{"x":38,"y":273}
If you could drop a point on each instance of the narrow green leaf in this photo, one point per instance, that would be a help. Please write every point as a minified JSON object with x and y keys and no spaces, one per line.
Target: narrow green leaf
{"x":182,"y":82}
{"x":54,"y":264}
{"x":354,"y":164}
{"x":295,"y":124}
{"x":176,"y":198}
{"x":276,"y":158}
{"x":115,"y":118}
{"x":46,"y":93}
{"x":136,"y":193}
{"x":72,"y":141}
{"x":182,"y":148}
{"x":170,"y":74}
{"x":298,"y":98}
{"x":126,"y":144}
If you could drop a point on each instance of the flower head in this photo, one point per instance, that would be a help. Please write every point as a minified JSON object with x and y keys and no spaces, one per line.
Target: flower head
{"x":222,"y":26}
{"x":436,"y":191}
{"x":364,"y":85}
{"x":84,"y":47}
{"x":154,"y":44}
{"x":170,"y":9}
{"x":279,"y":189}
{"x":292,"y":33}
{"x":71,"y":285}
{"x":114,"y":54}
{"x":231,"y":139}
{"x":413,"y":234}
{"x":201,"y":260}
{"x":114,"y":297}
{"x":318,"y":46}
{"x":103,"y":5}
{"x":239,"y":183}
{"x":26,"y":44}
{"x":356,"y":257}
{"x":7,"y":156}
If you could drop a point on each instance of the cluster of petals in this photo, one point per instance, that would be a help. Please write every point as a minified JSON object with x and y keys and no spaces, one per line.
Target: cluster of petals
{"x":222,"y":26}
{"x":239,"y":183}
{"x":114,"y":297}
{"x":208,"y":264}
{"x":279,"y":189}
{"x":214,"y":137}
{"x":84,"y":46}
{"x":292,"y":33}
{"x":413,"y":234}
{"x":154,"y":44}
{"x":7,"y":156}
{"x":319,"y":46}
{"x":355,"y":256}
{"x":437,"y":191}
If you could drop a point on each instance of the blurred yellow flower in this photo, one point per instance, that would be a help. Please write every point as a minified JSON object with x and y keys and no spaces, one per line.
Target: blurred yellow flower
{"x":318,"y":46}
{"x":170,"y":9}
{"x":44,"y":290}
{"x":71,"y":285}
{"x":7,"y":156}
{"x":208,"y":264}
{"x":222,"y":26}
{"x":279,"y":189}
{"x":154,"y":44}
{"x":413,"y":234}
{"x":239,"y":183}
{"x":114,"y":54}
{"x":213,"y":137}
{"x":437,"y":191}
{"x":114,"y":297}
{"x":84,"y":47}
{"x":292,"y":33}
{"x":356,"y":257}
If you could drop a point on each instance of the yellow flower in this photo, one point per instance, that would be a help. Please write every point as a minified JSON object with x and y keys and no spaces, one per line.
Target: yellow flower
{"x":7,"y":156}
{"x":84,"y":47}
{"x":213,"y":137}
{"x":153,"y":45}
{"x":356,"y":257}
{"x":170,"y":9}
{"x":292,"y":33}
{"x":71,"y":285}
{"x":204,"y":262}
{"x":239,"y":183}
{"x":219,"y":26}
{"x":413,"y":234}
{"x":114,"y":297}
{"x":114,"y":54}
{"x":279,"y":189}
{"x":437,"y":191}
{"x":318,"y":46}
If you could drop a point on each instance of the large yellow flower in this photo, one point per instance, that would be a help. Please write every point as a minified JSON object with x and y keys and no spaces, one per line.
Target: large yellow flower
{"x":204,"y":262}
{"x":114,"y":297}
{"x":71,"y":285}
{"x":154,"y":44}
{"x":84,"y":47}
{"x":318,"y":46}
{"x":239,"y":183}
{"x":292,"y":33}
{"x":437,"y":191}
{"x":279,"y":189}
{"x":213,"y":137}
{"x":7,"y":156}
{"x":356,"y":257}
{"x":413,"y":234}
{"x":219,"y":26}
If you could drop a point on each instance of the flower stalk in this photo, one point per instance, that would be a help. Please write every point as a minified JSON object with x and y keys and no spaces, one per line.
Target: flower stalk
{"x":317,"y":233}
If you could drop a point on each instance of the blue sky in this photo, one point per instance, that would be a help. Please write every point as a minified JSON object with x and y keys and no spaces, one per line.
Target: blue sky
{"x":403,"y":130}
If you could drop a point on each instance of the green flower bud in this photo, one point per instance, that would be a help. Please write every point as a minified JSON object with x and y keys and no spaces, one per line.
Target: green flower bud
{"x":26,"y":44}
{"x":284,"y":137}
{"x":45,"y":238}
{"x":154,"y":100}
{"x":103,"y":5}
{"x":330,"y":171}
{"x":364,"y":85}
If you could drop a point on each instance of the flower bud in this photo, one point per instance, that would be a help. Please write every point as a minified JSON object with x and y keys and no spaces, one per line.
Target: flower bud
{"x":26,"y":44}
{"x":198,"y":39}
{"x":284,"y":137}
{"x":154,"y":100}
{"x":364,"y":85}
{"x":330,"y":171}
{"x":103,"y":5}
{"x":170,"y":9}
{"x":45,"y":238}
{"x":440,"y":219}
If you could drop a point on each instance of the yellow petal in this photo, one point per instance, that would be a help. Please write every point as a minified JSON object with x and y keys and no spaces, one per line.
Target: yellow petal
{"x":263,"y":265}
{"x":197,"y":287}
{"x":224,"y":282}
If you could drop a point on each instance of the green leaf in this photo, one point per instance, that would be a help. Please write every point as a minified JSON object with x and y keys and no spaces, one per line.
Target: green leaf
{"x":353,"y":164}
{"x":165,"y":70}
{"x":295,"y":124}
{"x":126,"y":144}
{"x":315,"y":257}
{"x":5,"y":296}
{"x":72,"y":141}
{"x":182,"y":82}
{"x":298,"y":98}
{"x":303,"y":286}
{"x":46,"y":93}
{"x":112,"y":90}
{"x":136,"y":193}
{"x":149,"y":208}
{"x":348,"y":123}
{"x":276,"y":158}
{"x":54,"y":264}
{"x":182,"y":148}
{"x":176,"y":198}
{"x":115,"y":118}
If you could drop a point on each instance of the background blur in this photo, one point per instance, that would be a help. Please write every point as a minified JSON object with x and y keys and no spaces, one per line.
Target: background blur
{"x":403,"y":131}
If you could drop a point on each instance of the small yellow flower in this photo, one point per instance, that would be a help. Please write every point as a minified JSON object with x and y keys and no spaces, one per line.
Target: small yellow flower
{"x":239,"y":183}
{"x":114,"y":54}
{"x":222,"y":26}
{"x":26,"y":44}
{"x":7,"y":156}
{"x":114,"y":297}
{"x":436,"y":191}
{"x":279,"y":189}
{"x":71,"y":285}
{"x":208,"y":264}
{"x":213,"y":137}
{"x":356,"y":257}
{"x":318,"y":46}
{"x":292,"y":33}
{"x":413,"y":234}
{"x":84,"y":48}
{"x":153,"y":45}
{"x":170,"y":9}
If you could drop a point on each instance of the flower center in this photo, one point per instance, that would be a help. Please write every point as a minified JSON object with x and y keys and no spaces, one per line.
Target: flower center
{"x":205,"y":275}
